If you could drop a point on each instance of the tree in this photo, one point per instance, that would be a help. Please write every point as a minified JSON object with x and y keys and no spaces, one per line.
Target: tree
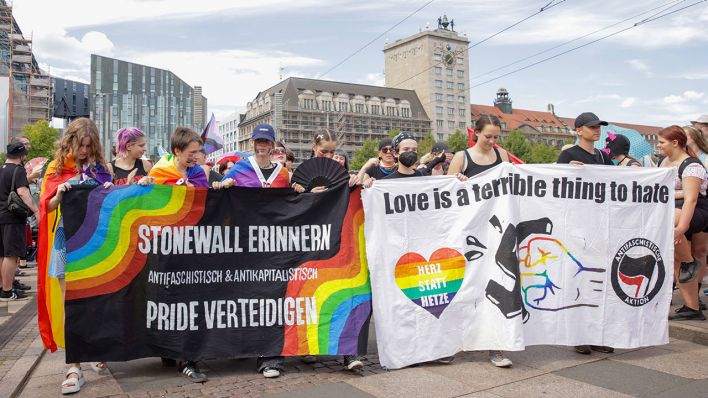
{"x":518,"y":145}
{"x":393,"y":133}
{"x":542,"y":153}
{"x":43,"y":139}
{"x":426,"y":144}
{"x":369,"y":150}
{"x":3,"y":157}
{"x":457,"y":141}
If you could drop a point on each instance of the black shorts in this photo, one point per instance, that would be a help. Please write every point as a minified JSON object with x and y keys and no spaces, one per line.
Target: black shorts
{"x":699,"y":221}
{"x":13,"y":240}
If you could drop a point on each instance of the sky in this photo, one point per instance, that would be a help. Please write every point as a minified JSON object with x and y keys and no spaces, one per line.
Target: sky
{"x":655,"y":73}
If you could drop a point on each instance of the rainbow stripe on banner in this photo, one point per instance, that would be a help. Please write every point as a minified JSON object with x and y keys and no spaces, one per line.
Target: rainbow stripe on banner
{"x":342,"y":291}
{"x":99,"y":262}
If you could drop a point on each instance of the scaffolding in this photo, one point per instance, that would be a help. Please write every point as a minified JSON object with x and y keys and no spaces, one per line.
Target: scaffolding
{"x":30,"y":97}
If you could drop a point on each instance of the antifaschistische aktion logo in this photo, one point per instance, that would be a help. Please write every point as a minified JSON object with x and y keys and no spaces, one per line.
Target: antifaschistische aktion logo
{"x":637,"y":272}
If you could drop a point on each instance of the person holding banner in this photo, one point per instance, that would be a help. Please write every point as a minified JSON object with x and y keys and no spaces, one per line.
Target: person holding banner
{"x":405,"y":148}
{"x":382,"y":166}
{"x":212,"y":174}
{"x":691,"y":217}
{"x":181,"y":168}
{"x":259,"y":170}
{"x":129,"y":167}
{"x":617,"y":146}
{"x":485,"y":154}
{"x":78,"y":161}
{"x":587,"y":126}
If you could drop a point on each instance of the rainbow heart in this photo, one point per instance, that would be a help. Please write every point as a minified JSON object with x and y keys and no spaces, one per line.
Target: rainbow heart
{"x":431,"y":284}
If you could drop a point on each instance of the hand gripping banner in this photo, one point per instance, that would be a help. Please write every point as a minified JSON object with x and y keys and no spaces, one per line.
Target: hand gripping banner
{"x":191,"y":273}
{"x":520,"y":255}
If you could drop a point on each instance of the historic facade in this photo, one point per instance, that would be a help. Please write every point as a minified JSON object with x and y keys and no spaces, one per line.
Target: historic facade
{"x":297,"y":107}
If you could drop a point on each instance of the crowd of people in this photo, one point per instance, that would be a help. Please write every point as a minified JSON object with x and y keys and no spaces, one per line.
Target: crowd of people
{"x":79,"y":161}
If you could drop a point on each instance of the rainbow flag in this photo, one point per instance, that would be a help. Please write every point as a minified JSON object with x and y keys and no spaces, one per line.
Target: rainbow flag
{"x":166,"y":172}
{"x":247,"y":174}
{"x":50,"y":302}
{"x":211,"y":138}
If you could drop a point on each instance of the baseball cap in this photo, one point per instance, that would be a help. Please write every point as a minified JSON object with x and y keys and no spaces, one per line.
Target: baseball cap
{"x":384,"y":143}
{"x":703,"y":120}
{"x":619,"y":145}
{"x":588,"y":119}
{"x":440,"y":146}
{"x":16,"y":150}
{"x":401,"y":137}
{"x":263,"y":131}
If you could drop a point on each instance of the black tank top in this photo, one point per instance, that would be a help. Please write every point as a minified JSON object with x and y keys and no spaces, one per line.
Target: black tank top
{"x":121,"y":175}
{"x":473,"y":168}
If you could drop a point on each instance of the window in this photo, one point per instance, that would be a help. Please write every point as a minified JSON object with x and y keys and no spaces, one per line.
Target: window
{"x":461,"y":112}
{"x":439,"y":110}
{"x":448,"y":84}
{"x":405,"y":112}
{"x":438,"y":70}
{"x":375,"y":109}
{"x":438,"y":97}
{"x":438,"y":83}
{"x":450,"y":124}
{"x":460,"y":73}
{"x":450,"y":111}
{"x":448,"y":71}
{"x":461,"y":99}
{"x":359,"y":108}
{"x":326,"y":105}
{"x":460,"y":61}
{"x":439,"y":123}
{"x":437,"y":57}
{"x":308,"y":104}
{"x":461,"y":125}
{"x":460,"y":86}
{"x":390,"y":111}
{"x":343,"y":107}
{"x":450,"y":97}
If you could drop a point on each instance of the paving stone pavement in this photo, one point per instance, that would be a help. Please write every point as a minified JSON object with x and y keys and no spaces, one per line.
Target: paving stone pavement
{"x":679,"y":369}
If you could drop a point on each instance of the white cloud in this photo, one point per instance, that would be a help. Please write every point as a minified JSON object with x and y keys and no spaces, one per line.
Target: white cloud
{"x":640,"y":66}
{"x":692,"y":76}
{"x":55,"y":46}
{"x":628,"y":102}
{"x":223,"y":86}
{"x":374,"y":79}
{"x":686,"y":97}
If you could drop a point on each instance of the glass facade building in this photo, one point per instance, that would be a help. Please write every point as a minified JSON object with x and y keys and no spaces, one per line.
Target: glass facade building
{"x":125,"y":94}
{"x":71,"y":98}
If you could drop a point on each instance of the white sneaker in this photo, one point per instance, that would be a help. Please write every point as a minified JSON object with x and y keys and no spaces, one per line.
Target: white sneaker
{"x":499,"y":360}
{"x":270,"y":373}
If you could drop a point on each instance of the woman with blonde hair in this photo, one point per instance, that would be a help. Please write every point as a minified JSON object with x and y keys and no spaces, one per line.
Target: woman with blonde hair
{"x":78,"y":161}
{"x":698,"y":144}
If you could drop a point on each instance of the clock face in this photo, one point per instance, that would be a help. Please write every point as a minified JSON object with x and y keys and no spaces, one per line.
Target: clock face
{"x":449,"y":59}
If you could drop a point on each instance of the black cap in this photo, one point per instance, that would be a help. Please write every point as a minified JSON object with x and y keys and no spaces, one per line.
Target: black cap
{"x":588,"y":119}
{"x":16,"y":150}
{"x":384,"y":143}
{"x":617,"y":144}
{"x":440,"y":146}
{"x":401,"y":137}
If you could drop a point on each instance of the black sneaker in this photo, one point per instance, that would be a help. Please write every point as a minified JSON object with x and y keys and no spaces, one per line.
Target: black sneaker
{"x":682,"y":308}
{"x":583,"y":349}
{"x":190,"y":370}
{"x":20,"y":294}
{"x":688,"y":315}
{"x":19,"y":285}
{"x":10,"y":296}
{"x":688,"y":271}
{"x":702,"y":305}
{"x":353,"y":362}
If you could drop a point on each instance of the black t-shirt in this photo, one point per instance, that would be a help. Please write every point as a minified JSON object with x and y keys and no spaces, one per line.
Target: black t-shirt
{"x":398,"y":174}
{"x":121,"y":175}
{"x":581,"y":155}
{"x":5,"y":184}
{"x":376,"y":172}
{"x":267,"y":172}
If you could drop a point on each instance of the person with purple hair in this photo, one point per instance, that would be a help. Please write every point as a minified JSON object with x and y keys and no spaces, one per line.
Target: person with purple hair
{"x":129,"y":166}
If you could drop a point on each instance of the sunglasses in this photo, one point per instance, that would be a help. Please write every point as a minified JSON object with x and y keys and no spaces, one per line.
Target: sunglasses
{"x":278,"y":151}
{"x":387,"y":149}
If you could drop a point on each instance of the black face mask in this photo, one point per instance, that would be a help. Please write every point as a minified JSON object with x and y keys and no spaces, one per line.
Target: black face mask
{"x":408,"y":159}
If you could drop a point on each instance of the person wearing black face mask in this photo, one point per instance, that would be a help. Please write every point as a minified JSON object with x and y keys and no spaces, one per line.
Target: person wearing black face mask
{"x":405,"y":148}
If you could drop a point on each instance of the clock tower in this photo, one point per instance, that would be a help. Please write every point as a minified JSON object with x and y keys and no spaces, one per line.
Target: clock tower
{"x":435,"y":64}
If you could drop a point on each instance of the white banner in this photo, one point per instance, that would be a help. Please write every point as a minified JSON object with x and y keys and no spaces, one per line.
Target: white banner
{"x":520,"y":255}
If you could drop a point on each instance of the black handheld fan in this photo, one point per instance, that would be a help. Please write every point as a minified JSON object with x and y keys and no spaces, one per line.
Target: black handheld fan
{"x":319,"y":172}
